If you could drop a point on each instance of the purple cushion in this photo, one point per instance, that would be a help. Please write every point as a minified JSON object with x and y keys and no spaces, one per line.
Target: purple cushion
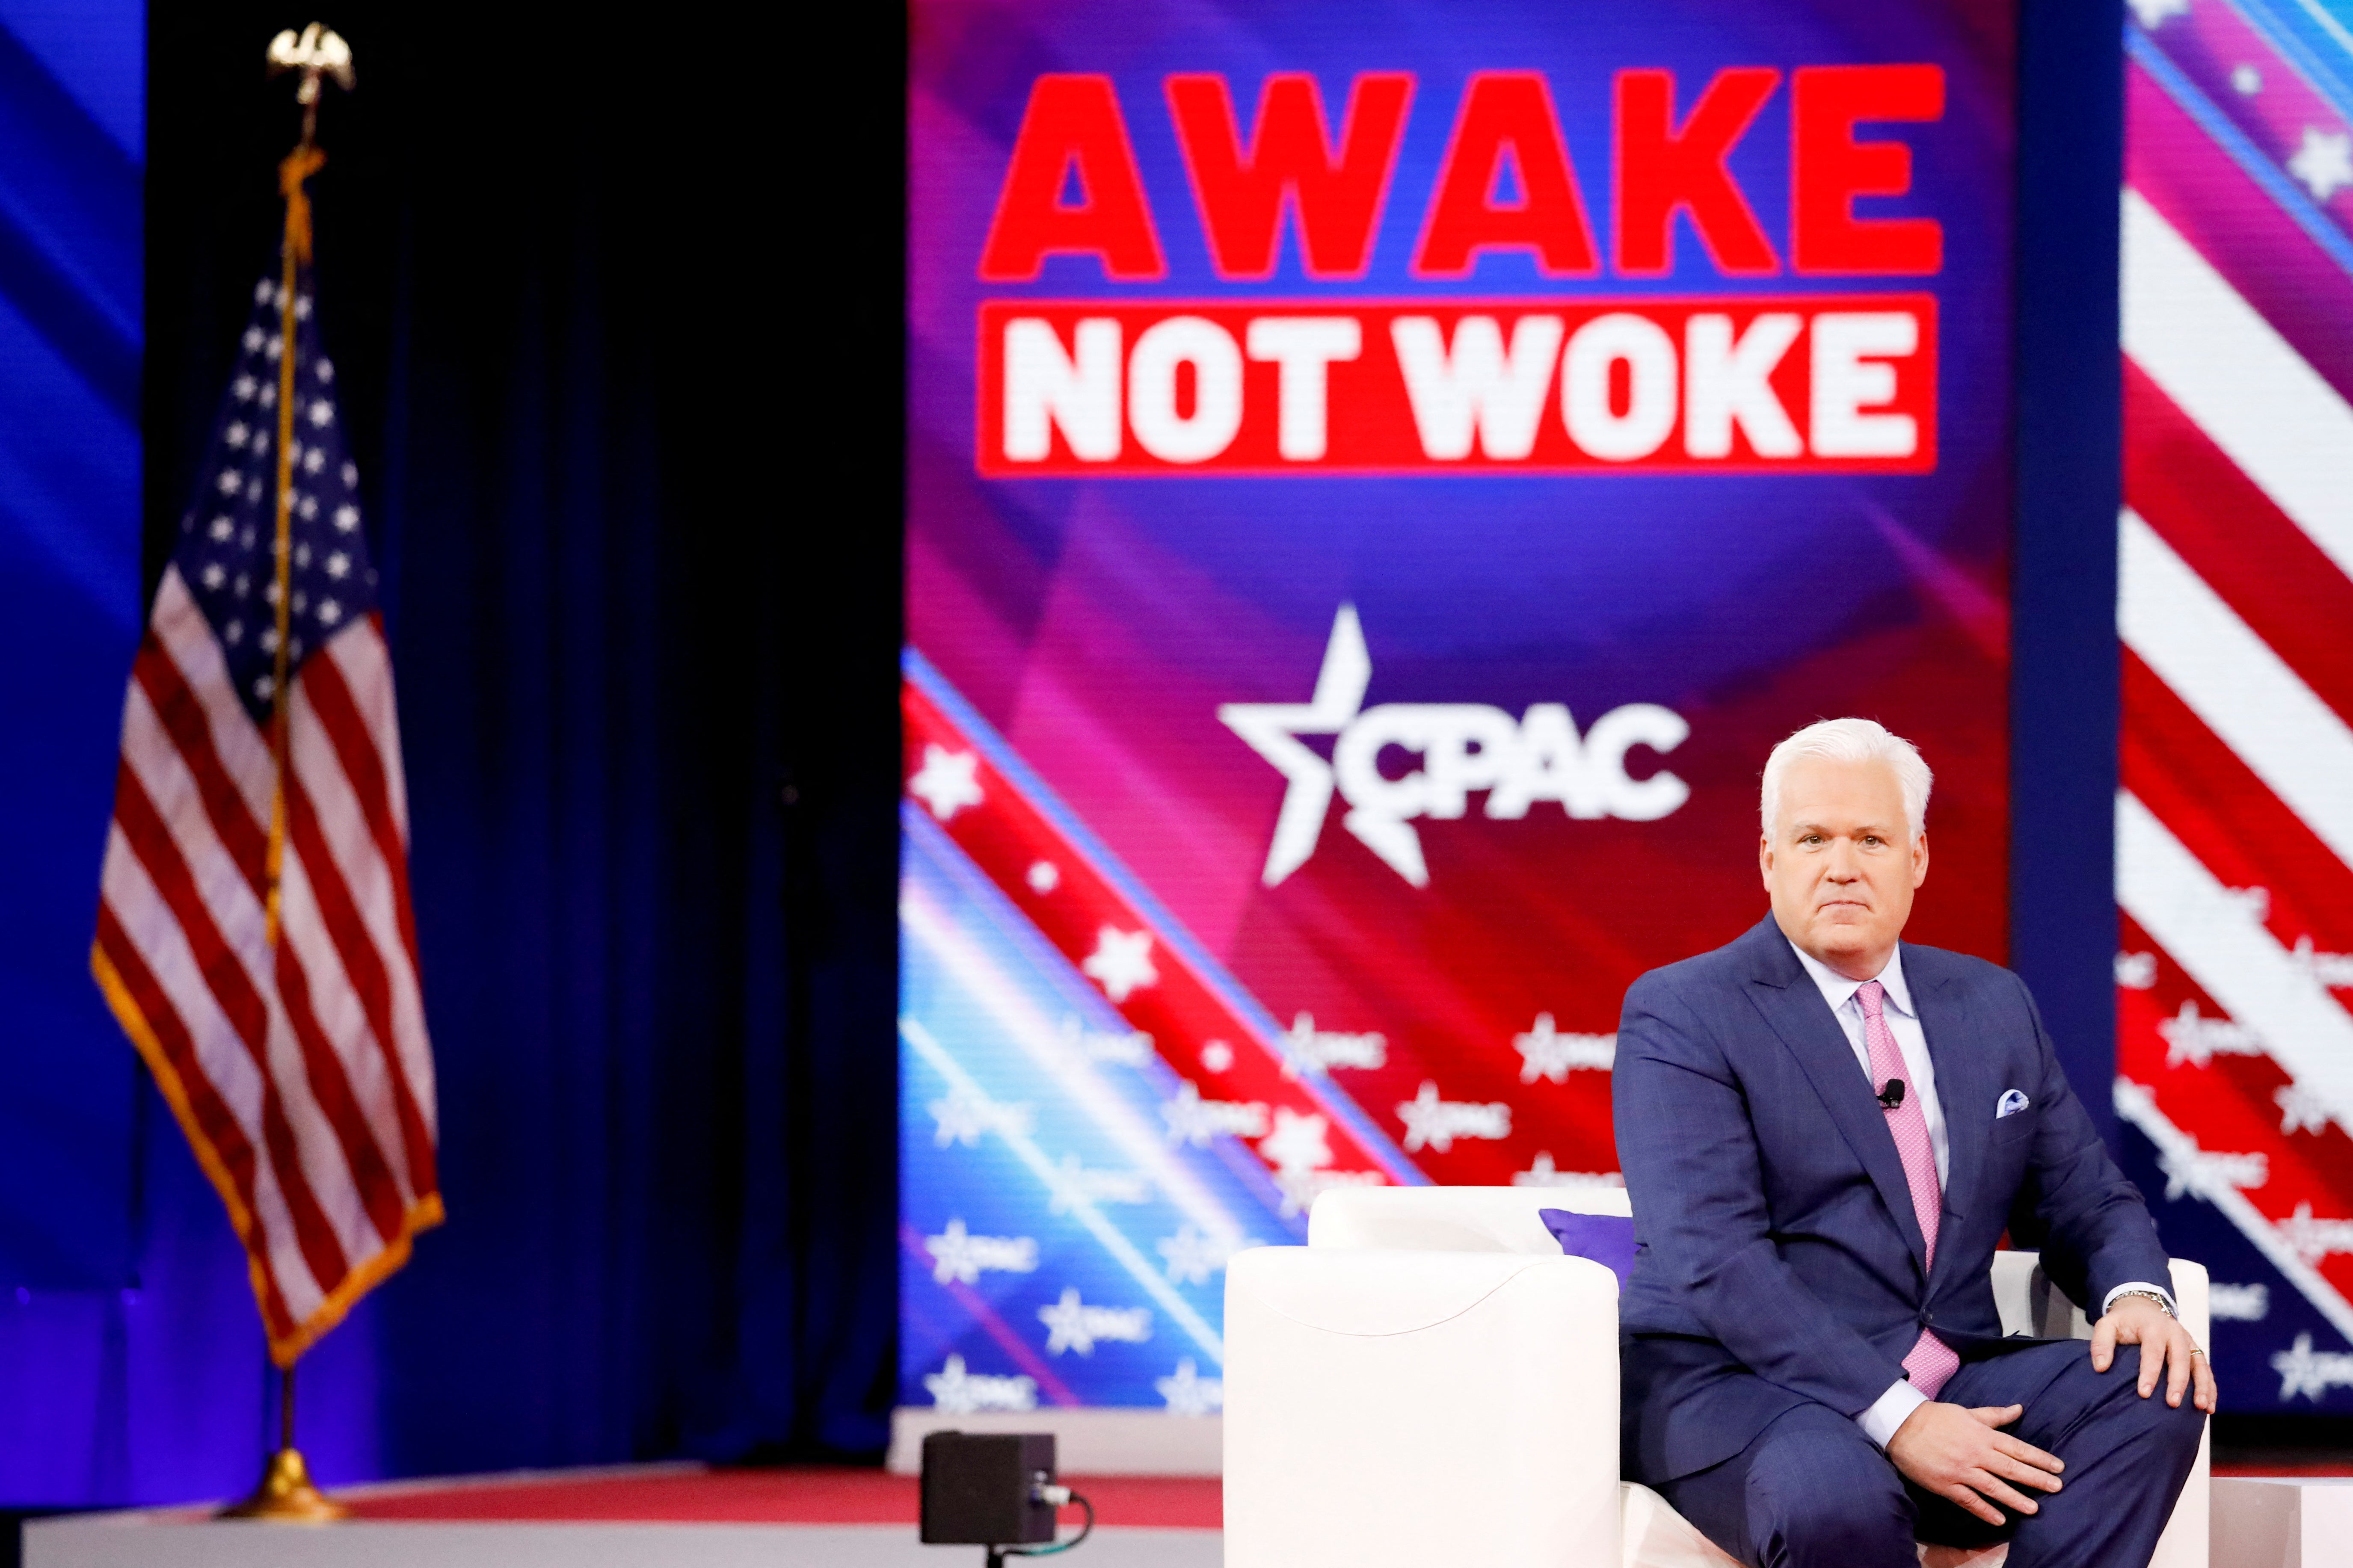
{"x":1605,"y":1238}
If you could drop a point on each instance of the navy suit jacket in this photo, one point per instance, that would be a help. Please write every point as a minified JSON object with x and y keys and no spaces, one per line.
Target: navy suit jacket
{"x":1777,"y":1231}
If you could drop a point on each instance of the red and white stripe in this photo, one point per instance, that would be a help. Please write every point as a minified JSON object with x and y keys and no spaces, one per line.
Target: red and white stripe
{"x":301,"y":1074}
{"x":2235,"y":829}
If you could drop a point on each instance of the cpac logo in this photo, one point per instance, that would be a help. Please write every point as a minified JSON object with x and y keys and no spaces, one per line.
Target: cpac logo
{"x":1463,"y":746}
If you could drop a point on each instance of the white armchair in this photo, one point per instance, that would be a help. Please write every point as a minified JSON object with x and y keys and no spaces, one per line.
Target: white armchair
{"x":1429,"y":1380}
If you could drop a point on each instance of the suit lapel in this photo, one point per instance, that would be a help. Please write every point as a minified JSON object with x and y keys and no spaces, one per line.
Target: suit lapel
{"x":1965,"y":1086}
{"x":1794,"y":1009}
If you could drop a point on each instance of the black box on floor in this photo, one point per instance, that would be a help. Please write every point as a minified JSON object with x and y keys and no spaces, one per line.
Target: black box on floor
{"x":978,"y":1488}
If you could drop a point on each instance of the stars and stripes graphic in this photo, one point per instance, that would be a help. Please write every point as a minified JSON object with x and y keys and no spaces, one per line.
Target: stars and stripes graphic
{"x":254,"y":934}
{"x":1145,"y":964}
{"x":2234,"y":828}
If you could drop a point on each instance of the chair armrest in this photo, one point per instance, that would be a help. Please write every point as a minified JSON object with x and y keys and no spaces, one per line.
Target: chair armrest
{"x":1451,"y":1219}
{"x":1392,"y":1409}
{"x":2030,"y":1304}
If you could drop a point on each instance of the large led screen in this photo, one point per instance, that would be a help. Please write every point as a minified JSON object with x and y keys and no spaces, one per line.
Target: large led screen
{"x":1380,"y":478}
{"x":2234,"y":830}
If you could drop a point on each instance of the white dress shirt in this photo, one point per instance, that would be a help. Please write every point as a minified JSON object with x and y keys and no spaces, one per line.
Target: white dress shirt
{"x":1888,"y":1411}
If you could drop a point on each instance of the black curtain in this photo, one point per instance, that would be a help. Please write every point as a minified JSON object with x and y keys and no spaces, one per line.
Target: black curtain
{"x":615,"y":308}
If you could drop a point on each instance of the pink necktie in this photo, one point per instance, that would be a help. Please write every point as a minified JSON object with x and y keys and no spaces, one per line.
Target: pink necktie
{"x":1930,"y":1361}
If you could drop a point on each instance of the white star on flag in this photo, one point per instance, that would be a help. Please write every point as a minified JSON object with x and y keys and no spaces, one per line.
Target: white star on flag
{"x":946,"y":781}
{"x":1189,"y":1393}
{"x":1121,"y":963}
{"x":2324,"y":162}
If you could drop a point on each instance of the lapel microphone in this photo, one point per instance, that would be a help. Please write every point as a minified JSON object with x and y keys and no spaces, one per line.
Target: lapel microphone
{"x":1893,"y":1095}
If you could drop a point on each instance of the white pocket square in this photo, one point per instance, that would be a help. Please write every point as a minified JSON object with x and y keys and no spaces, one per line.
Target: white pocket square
{"x":2011,"y":1102}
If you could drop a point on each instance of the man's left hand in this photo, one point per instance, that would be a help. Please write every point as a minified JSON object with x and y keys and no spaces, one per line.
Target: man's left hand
{"x":2167,"y":1351}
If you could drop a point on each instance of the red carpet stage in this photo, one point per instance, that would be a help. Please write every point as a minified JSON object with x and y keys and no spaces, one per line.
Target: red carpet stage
{"x":656,"y":1514}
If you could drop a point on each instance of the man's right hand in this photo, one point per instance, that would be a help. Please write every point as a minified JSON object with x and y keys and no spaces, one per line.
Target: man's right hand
{"x":1959,"y":1454}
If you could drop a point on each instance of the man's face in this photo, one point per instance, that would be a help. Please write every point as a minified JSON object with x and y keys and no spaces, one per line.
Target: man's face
{"x":1840,"y":863}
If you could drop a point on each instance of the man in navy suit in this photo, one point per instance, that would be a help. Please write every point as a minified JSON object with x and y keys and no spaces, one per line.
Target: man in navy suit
{"x":1825,"y":1133}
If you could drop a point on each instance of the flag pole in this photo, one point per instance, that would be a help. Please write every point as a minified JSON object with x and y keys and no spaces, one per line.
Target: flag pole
{"x":286,"y":1493}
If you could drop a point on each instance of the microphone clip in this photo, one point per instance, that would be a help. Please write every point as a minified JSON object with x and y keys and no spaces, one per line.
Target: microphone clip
{"x":1892,"y":1097}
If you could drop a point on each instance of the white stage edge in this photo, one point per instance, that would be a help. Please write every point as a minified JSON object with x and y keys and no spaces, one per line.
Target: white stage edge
{"x":1095,"y":1442}
{"x":2288,"y":1521}
{"x":176,"y":1541}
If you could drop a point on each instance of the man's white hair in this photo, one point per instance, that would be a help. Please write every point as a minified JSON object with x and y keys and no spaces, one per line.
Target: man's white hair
{"x":1851,"y":740}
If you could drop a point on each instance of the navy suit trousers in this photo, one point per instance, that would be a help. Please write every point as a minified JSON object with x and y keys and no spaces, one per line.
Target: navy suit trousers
{"x":1811,"y":1491}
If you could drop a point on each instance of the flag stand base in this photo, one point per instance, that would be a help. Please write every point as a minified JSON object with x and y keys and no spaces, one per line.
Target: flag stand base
{"x":286,"y":1495}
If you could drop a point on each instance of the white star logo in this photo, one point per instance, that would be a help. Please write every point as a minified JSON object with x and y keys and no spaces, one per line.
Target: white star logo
{"x":1192,"y":1256}
{"x":1065,"y":1324}
{"x":222,"y":528}
{"x":237,"y":433}
{"x":322,"y":412}
{"x":964,"y":1116}
{"x":1072,"y":1325}
{"x":2153,"y":12}
{"x":1298,"y":1142}
{"x":252,"y":338}
{"x":2310,"y":1373}
{"x":1434,"y":1123}
{"x":229,"y":480}
{"x":329,"y":611}
{"x":961,"y":1392}
{"x":1189,"y":1393}
{"x":958,"y":1255}
{"x":2301,"y":1110}
{"x":946,"y":781}
{"x":1272,"y":731}
{"x":213,"y":576}
{"x":2324,"y":162}
{"x":1121,"y":963}
{"x":347,"y":518}
{"x":338,"y":565}
{"x":1546,"y":1052}
{"x":1543,"y":1173}
{"x":243,"y":386}
{"x":313,"y":460}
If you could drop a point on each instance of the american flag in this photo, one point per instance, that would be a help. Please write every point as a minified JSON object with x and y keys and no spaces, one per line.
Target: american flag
{"x":2235,"y":829}
{"x":296,"y":1059}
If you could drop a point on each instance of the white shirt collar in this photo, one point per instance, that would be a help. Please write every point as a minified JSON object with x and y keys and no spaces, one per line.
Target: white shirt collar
{"x":1837,"y":989}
